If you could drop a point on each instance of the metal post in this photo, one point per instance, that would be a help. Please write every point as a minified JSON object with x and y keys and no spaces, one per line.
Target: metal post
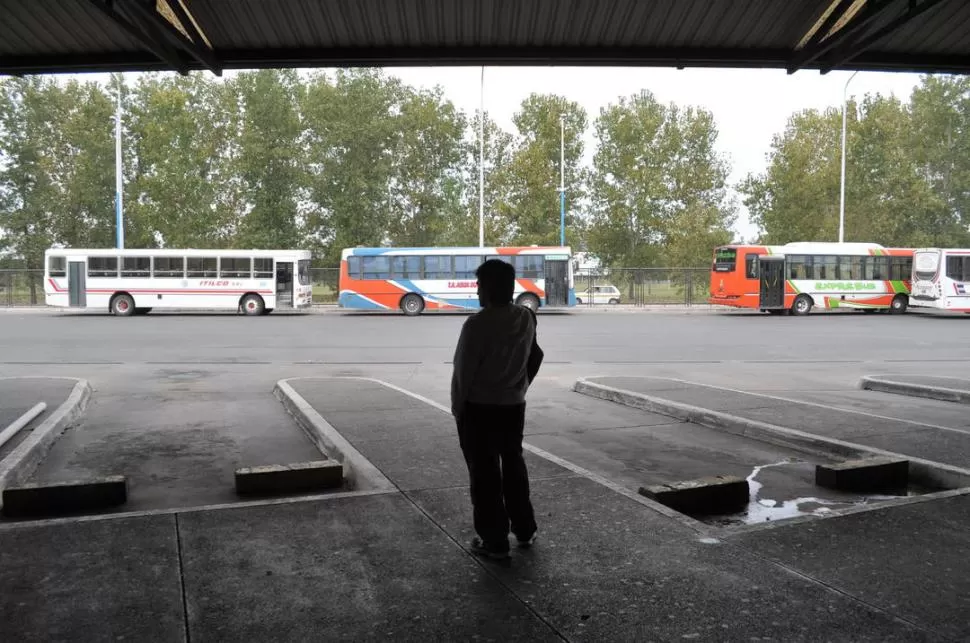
{"x":562,"y":179}
{"x":481,"y":161}
{"x":842,"y":187}
{"x":119,"y":178}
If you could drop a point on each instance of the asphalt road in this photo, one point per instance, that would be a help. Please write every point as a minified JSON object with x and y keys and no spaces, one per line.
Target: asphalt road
{"x":577,"y":338}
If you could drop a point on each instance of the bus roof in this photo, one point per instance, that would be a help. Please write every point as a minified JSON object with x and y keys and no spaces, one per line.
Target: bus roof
{"x":823,"y":247}
{"x":458,"y":250}
{"x":174,"y":252}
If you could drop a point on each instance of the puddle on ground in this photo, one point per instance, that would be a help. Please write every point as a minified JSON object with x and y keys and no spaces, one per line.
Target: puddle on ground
{"x":765,"y":505}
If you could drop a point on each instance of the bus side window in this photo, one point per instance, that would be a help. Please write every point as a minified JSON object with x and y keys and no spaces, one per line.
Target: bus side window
{"x":798,"y":266}
{"x":376,"y":267}
{"x":751,"y":266}
{"x":955,"y":268}
{"x":437,"y":267}
{"x":877,"y":268}
{"x":900,"y":268}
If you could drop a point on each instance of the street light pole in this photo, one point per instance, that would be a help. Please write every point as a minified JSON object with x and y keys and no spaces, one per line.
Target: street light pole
{"x":119,"y":178}
{"x":842,"y":188}
{"x":562,"y":179}
{"x":481,"y":162}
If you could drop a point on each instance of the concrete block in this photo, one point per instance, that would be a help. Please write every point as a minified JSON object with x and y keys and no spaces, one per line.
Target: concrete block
{"x":296,"y":477}
{"x":866,"y":475}
{"x":59,"y":498}
{"x":704,"y":496}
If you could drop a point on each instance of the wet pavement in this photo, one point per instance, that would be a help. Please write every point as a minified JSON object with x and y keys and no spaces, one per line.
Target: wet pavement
{"x":178,"y":435}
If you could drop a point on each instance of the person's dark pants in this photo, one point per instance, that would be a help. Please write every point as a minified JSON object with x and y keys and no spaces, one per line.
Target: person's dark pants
{"x":491,"y":441}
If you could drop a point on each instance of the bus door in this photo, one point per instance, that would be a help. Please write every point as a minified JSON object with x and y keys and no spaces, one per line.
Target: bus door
{"x":557,"y":281}
{"x":76,"y":284}
{"x":771,"y":270}
{"x":284,"y":284}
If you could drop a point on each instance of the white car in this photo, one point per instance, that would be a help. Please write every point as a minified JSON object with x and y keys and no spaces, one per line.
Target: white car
{"x":600,"y":295}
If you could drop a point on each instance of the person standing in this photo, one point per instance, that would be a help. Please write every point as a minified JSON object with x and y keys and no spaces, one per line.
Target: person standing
{"x":496,"y":359}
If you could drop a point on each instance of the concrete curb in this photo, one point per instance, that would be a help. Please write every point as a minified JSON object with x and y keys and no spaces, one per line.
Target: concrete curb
{"x":942,"y":393}
{"x":357,"y":470}
{"x":925,"y":471}
{"x":21,"y":463}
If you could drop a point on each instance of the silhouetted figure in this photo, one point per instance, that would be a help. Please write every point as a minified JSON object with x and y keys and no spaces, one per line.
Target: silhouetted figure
{"x":495,"y":362}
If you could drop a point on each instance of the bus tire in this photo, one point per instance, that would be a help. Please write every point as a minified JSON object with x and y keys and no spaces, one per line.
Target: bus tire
{"x":899,"y":305}
{"x":579,"y":301}
{"x":802,"y":305}
{"x":412,"y":304}
{"x":614,"y":302}
{"x":122,"y":305}
{"x":529,"y":301}
{"x":252,"y":304}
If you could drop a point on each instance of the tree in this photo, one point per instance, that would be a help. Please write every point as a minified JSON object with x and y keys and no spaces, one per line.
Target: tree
{"x":531,"y":208}
{"x":425,"y":188}
{"x":351,"y":138}
{"x":270,"y":158}
{"x":180,"y":130}
{"x":941,"y":127}
{"x":659,"y":189}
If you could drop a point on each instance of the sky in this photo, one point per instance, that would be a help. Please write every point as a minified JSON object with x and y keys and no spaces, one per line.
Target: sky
{"x":749,"y":105}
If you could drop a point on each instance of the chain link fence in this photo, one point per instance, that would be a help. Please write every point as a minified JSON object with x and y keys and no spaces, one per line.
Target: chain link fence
{"x":616,"y":287}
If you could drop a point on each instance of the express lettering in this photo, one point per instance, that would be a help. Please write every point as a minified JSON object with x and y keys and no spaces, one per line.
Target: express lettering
{"x":845,"y":285}
{"x":462,"y":284}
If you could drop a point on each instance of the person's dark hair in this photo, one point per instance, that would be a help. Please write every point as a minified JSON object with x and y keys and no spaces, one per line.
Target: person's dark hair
{"x":496,"y":278}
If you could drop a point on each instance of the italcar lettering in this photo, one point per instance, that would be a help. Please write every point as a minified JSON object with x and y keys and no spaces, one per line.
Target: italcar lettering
{"x":213,"y":283}
{"x":845,"y":285}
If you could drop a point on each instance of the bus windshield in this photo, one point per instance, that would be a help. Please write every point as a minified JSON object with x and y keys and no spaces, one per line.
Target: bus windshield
{"x":925,"y":264}
{"x":725,"y":259}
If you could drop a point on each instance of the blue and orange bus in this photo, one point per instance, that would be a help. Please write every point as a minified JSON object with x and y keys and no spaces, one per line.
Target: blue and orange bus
{"x":414,"y":280}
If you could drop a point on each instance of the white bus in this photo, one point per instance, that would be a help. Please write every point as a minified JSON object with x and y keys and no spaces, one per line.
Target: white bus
{"x":941,"y":279}
{"x":129,"y":282}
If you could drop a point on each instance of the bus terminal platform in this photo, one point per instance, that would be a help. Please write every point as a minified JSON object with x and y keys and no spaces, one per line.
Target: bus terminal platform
{"x":393,"y":564}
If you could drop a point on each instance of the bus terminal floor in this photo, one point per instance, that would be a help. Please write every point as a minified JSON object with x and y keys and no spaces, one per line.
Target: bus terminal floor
{"x":393,"y":565}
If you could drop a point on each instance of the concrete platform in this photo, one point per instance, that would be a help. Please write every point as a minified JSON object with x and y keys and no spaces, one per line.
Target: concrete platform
{"x":872,"y":475}
{"x":908,"y":560}
{"x":98,"y":580}
{"x":947,"y":389}
{"x":950,"y":446}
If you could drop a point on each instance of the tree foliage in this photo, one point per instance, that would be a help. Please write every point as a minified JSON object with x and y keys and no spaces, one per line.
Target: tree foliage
{"x":907,"y":180}
{"x":329,"y":160}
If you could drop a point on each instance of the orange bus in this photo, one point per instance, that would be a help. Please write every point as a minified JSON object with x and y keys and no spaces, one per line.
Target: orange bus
{"x":799,"y":276}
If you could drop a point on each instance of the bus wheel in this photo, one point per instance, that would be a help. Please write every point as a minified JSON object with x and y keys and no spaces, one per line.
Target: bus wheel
{"x":252,"y":304}
{"x":528,"y":300}
{"x":412,"y":304}
{"x":123,"y":305}
{"x":802,"y":305}
{"x":898,"y":306}
{"x":614,"y":302}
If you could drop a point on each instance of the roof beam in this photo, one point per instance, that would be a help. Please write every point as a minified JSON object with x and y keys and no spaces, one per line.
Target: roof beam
{"x":159,"y":49}
{"x":862,"y":19}
{"x":193,"y":45}
{"x":848,"y":51}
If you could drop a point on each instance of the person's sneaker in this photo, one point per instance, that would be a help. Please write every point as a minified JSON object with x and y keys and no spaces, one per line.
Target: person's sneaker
{"x":528,"y":542}
{"x":480,"y":548}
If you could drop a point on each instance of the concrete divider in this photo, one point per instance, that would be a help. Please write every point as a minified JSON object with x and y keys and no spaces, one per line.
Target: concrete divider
{"x":704,"y":496}
{"x":296,"y":477}
{"x":36,"y":500}
{"x":926,"y":472}
{"x":912,"y":389}
{"x":358,"y":471}
{"x":15,"y":427}
{"x":21,"y":463}
{"x":868,"y":475}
